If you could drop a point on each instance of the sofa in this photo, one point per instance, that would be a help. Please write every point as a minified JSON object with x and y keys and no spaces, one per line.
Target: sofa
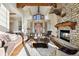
{"x":8,"y":42}
{"x":66,"y":46}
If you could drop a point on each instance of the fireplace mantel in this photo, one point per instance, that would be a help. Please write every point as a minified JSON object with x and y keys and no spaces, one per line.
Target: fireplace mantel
{"x":67,"y":23}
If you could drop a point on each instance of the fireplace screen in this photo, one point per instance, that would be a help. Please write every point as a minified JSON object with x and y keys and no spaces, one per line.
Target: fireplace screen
{"x":65,"y":35}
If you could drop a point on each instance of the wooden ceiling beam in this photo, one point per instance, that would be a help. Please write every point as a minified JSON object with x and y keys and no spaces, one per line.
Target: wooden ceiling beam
{"x":21,"y":5}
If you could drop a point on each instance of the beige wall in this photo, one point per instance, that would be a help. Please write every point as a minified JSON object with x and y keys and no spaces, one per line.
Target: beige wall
{"x":53,"y":21}
{"x":14,"y":24}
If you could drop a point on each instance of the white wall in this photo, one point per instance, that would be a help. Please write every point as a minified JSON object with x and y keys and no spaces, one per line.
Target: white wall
{"x":26,"y":22}
{"x":24,"y":25}
{"x":4,"y":19}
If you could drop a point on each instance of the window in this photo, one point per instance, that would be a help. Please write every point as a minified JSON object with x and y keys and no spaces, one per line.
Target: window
{"x":20,"y":25}
{"x":38,"y":17}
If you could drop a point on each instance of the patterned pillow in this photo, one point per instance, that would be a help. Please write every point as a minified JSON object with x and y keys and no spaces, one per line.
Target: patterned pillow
{"x":5,"y":38}
{"x":13,"y":37}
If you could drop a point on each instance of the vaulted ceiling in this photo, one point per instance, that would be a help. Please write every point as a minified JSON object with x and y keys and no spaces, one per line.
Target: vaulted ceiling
{"x":34,"y":9}
{"x":31,"y":8}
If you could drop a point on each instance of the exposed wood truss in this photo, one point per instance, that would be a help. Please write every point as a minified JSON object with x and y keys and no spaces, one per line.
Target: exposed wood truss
{"x":21,"y":5}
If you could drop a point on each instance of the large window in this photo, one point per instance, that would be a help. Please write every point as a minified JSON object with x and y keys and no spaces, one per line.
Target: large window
{"x":20,"y":25}
{"x":4,"y":18}
{"x":38,"y":17}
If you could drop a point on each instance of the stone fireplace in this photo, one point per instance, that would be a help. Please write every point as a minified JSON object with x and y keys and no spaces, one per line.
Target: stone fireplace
{"x":64,"y":30}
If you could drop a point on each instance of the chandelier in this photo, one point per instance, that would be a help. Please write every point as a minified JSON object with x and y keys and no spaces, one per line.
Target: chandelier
{"x":38,"y":16}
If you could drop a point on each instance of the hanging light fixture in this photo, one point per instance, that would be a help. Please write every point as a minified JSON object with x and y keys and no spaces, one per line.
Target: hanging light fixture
{"x":38,"y":16}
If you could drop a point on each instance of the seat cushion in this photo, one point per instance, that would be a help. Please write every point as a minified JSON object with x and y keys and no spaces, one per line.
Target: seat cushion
{"x":2,"y":51}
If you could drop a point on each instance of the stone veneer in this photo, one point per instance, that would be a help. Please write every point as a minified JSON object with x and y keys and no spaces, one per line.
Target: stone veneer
{"x":74,"y":37}
{"x":72,"y":13}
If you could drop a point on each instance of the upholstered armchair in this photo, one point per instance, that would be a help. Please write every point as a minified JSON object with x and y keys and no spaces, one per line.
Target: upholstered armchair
{"x":8,"y":42}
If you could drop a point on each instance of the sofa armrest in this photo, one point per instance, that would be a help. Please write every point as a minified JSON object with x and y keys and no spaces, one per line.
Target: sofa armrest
{"x":2,"y":51}
{"x":12,"y":45}
{"x":60,"y":53}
